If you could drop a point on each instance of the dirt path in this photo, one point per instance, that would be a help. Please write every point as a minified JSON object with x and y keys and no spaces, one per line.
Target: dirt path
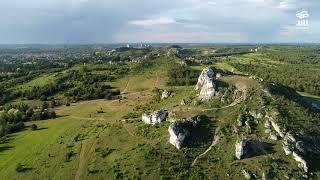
{"x":237,"y":101}
{"x":157,"y":81}
{"x":214,"y":142}
{"x":86,"y":118}
{"x":86,"y":148}
{"x":126,"y":88}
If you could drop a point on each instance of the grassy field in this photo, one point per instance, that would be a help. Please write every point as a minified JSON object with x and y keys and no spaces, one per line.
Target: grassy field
{"x":38,"y":150}
{"x":41,"y":81}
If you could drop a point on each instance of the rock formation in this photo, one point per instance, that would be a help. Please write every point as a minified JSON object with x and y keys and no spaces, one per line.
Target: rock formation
{"x":256,"y":114}
{"x":246,"y":174}
{"x":155,"y":117}
{"x":290,"y":145}
{"x":180,"y":130}
{"x":302,"y":163}
{"x":280,"y":131}
{"x":206,"y":84}
{"x":165,"y":94}
{"x":183,"y":102}
{"x":277,"y":128}
{"x":178,"y":134}
{"x":272,"y":136}
{"x":241,"y":148}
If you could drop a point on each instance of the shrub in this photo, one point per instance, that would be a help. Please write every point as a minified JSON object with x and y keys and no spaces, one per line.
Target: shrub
{"x":19,"y":168}
{"x":68,"y":155}
{"x":34,"y":127}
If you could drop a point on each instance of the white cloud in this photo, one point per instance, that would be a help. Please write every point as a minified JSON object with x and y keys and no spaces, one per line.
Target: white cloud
{"x":148,"y":22}
{"x":287,"y":5}
{"x":212,"y":3}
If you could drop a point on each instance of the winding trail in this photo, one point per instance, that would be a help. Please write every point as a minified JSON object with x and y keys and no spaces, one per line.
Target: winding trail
{"x":214,"y":142}
{"x":86,"y":148}
{"x":126,"y":88}
{"x":237,"y":101}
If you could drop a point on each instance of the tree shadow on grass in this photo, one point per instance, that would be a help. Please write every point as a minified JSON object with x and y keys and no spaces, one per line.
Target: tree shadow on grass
{"x":23,"y":168}
{"x":39,"y":129}
{"x":5,"y":148}
{"x":7,"y":138}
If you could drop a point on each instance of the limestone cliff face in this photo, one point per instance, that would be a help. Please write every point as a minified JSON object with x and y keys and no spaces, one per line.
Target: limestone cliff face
{"x":291,"y":146}
{"x":178,"y":134}
{"x":206,"y":84}
{"x":241,"y":148}
{"x":181,"y":130}
{"x":155,"y":117}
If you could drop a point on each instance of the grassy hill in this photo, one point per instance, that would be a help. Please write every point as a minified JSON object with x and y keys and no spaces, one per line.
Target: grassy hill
{"x":106,"y":139}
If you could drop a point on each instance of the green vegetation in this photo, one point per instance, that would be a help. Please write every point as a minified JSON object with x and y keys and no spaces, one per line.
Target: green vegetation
{"x":77,"y":114}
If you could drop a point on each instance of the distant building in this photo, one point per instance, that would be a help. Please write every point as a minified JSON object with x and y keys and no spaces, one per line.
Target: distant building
{"x":128,"y":46}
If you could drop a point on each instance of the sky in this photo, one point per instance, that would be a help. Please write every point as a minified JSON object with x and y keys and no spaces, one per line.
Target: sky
{"x":158,"y":21}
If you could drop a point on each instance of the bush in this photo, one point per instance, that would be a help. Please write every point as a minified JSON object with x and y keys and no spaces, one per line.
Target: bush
{"x":34,"y":127}
{"x":68,"y":156}
{"x":19,"y":168}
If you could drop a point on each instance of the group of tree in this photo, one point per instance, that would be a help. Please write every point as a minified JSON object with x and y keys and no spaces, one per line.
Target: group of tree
{"x":12,"y":117}
{"x":300,"y":77}
{"x":182,"y":76}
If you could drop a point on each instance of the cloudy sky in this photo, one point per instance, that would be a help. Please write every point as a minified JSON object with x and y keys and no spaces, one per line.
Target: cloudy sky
{"x":198,"y":21}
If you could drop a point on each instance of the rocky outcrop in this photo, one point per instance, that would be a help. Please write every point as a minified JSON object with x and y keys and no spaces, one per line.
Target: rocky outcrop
{"x":165,"y":94}
{"x":291,"y":146}
{"x":280,"y":131}
{"x":180,"y":130}
{"x":273,"y":137}
{"x":183,"y":102}
{"x":171,"y":116}
{"x":302,"y":163}
{"x":241,"y":147}
{"x":155,"y":117}
{"x":277,"y":128}
{"x":178,"y":134}
{"x":206,"y":84}
{"x":246,"y":174}
{"x":256,"y":114}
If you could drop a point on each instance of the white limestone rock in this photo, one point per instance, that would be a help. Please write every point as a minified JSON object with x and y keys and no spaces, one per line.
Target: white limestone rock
{"x":302,"y":163}
{"x":267,"y":124}
{"x":267,"y":131}
{"x":277,"y":128}
{"x":165,"y":94}
{"x":246,"y":174}
{"x":241,"y":148}
{"x":206,"y":84}
{"x":183,"y":102}
{"x":273,"y":137}
{"x":286,"y":149}
{"x":256,"y":114}
{"x":155,"y":117}
{"x":178,"y":134}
